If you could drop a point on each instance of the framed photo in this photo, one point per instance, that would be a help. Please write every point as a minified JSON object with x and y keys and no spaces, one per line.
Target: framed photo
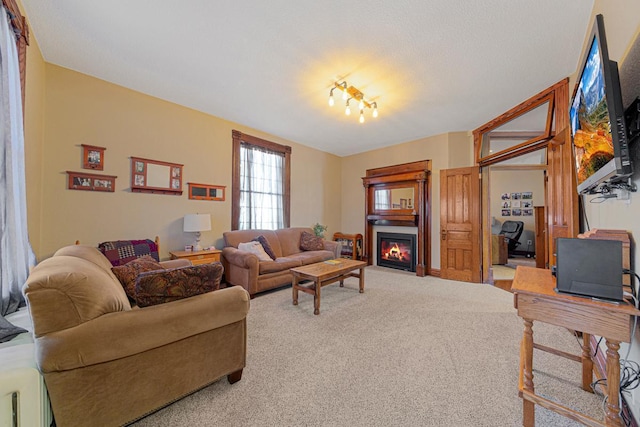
{"x":206,"y":192}
{"x":527,"y":194}
{"x":515,"y":204}
{"x":516,"y":196}
{"x":91,"y":182}
{"x":506,"y":204}
{"x":527,"y":203}
{"x":527,"y":212}
{"x":155,"y":176}
{"x":92,"y":157}
{"x":516,"y":212}
{"x":506,"y":212}
{"x":505,"y":196}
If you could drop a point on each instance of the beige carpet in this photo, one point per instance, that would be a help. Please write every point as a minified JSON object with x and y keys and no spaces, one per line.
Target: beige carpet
{"x":410,"y":351}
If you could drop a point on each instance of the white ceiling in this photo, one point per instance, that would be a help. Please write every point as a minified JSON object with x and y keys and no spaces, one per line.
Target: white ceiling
{"x":432,"y":66}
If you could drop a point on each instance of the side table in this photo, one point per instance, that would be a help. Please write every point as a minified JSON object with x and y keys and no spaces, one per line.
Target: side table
{"x":197,"y":257}
{"x":536,"y":301}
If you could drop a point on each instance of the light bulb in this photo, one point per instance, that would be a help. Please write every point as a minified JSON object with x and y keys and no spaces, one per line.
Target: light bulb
{"x":361,"y":116}
{"x":331,"y":102}
{"x":347,"y":110}
{"x":361,"y":105}
{"x":375,"y":111}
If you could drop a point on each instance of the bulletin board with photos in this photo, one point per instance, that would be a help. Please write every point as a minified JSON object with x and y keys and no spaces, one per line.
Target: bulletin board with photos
{"x":154,"y":176}
{"x":517,"y":204}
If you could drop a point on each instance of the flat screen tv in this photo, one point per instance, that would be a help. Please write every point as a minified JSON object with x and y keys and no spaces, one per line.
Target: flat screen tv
{"x":598,"y":131}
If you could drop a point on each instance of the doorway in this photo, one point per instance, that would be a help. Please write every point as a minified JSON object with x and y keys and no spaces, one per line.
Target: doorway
{"x":516,"y":199}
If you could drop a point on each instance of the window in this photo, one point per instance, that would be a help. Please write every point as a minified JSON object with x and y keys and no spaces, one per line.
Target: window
{"x":261,"y":187}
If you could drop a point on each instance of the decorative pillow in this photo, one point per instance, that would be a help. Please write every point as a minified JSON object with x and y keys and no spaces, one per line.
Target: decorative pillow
{"x":128,"y":273}
{"x":310,"y":242}
{"x":120,"y":252}
{"x":256,"y":249}
{"x":265,"y":245}
{"x":159,"y":287}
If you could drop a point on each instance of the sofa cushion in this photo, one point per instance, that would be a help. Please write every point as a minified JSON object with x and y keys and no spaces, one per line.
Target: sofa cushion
{"x":256,"y":249}
{"x":120,"y":252}
{"x":310,"y":242}
{"x":290,"y":239}
{"x":128,"y":273}
{"x":310,"y":257}
{"x":280,"y":264}
{"x":64,"y":291}
{"x":235,"y":237}
{"x":159,"y":287}
{"x":266,"y":246}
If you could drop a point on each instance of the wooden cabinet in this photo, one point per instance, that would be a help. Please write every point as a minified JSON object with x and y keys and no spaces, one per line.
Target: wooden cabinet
{"x":351,"y":245}
{"x":197,"y":257}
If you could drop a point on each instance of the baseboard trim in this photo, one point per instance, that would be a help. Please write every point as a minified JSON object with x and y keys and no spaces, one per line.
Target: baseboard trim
{"x":434,"y":272}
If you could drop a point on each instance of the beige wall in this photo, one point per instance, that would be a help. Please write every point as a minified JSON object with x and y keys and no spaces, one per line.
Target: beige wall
{"x":80,"y":109}
{"x":34,"y":139}
{"x":445,"y":151}
{"x":622,"y":24}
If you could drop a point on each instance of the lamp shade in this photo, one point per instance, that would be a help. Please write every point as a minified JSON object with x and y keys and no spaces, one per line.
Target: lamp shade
{"x":197,"y":222}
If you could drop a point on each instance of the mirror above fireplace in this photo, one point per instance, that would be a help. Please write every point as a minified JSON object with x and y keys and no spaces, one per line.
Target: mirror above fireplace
{"x":394,"y":198}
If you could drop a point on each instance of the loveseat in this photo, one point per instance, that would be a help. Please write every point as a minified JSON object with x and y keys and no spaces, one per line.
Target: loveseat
{"x":107,"y":363}
{"x":245,"y":269}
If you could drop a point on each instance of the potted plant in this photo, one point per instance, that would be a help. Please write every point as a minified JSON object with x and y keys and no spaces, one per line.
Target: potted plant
{"x":319,"y":230}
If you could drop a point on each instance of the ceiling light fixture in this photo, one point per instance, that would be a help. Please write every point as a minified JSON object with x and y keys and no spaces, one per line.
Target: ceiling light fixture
{"x":349,"y":93}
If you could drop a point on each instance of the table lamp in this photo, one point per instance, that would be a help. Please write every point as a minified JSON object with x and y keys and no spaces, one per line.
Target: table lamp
{"x":197,"y":223}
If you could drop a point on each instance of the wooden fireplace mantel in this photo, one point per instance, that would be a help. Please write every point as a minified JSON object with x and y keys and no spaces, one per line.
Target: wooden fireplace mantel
{"x":416,"y":176}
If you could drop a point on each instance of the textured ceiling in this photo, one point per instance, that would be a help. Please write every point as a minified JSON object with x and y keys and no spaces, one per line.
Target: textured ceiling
{"x":432,"y":67}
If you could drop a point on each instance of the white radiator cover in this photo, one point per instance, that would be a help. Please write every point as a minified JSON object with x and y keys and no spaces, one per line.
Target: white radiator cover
{"x":19,"y":374}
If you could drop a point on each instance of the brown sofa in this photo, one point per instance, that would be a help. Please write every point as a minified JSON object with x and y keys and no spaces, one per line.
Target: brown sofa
{"x":244,"y":269}
{"x":107,"y":363}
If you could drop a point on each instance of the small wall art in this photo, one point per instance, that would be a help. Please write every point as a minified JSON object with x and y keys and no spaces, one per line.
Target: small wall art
{"x":91,"y":182}
{"x":154,"y":176}
{"x":206,"y":192}
{"x":92,"y":157}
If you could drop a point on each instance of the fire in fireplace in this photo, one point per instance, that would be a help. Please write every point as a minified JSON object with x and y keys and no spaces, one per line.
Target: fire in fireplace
{"x":397,"y":250}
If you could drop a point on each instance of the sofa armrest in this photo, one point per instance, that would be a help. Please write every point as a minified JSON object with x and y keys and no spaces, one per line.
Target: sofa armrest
{"x":136,"y":331}
{"x":332,"y":246}
{"x":175,"y":263}
{"x":242,"y":259}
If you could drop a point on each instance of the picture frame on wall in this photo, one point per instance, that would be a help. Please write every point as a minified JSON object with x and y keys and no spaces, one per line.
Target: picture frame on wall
{"x":93,"y":157}
{"x":527,"y":194}
{"x":527,"y":212}
{"x":505,"y":196}
{"x":91,"y":182}
{"x":516,"y":212}
{"x":506,"y":212}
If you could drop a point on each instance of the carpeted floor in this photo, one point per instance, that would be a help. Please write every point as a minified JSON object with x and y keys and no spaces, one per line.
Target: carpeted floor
{"x":410,"y":351}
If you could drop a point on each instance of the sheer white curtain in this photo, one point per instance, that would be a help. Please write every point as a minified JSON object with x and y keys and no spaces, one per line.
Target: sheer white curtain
{"x":261,"y":188}
{"x":16,"y":256}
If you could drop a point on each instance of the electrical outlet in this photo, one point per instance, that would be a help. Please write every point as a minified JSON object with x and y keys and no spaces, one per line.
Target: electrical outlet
{"x":529,"y":242}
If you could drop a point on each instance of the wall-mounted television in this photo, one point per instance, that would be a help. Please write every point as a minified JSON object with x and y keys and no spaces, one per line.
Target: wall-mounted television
{"x":598,"y":131}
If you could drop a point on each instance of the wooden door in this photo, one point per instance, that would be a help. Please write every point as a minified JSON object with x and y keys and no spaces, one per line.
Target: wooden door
{"x":460,"y":224}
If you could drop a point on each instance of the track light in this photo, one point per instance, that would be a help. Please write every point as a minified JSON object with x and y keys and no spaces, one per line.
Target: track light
{"x":349,"y":93}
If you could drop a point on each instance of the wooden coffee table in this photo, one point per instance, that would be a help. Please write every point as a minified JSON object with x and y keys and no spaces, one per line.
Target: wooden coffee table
{"x":325,"y":273}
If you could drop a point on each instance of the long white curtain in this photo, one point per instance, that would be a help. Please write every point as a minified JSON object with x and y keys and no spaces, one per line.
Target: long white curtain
{"x":261,"y":188}
{"x":16,"y":256}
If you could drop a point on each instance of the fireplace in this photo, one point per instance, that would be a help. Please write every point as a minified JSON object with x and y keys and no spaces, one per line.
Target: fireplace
{"x":397,"y":250}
